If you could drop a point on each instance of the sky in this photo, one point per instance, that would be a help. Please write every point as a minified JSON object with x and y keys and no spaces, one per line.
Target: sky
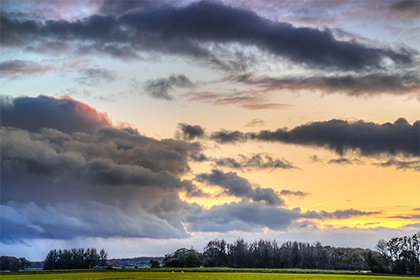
{"x":145,"y":126}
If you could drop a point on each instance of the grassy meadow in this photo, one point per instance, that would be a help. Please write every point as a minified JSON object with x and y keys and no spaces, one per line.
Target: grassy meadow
{"x":205,"y":274}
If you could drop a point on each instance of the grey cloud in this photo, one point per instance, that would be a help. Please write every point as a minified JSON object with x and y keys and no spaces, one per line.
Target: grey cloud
{"x":409,"y":217}
{"x":65,"y":114}
{"x":14,"y":69}
{"x":341,"y":161}
{"x":344,"y":214}
{"x":239,"y":187}
{"x":70,"y":220}
{"x":293,"y":193}
{"x":401,"y":164}
{"x":224,"y":136}
{"x":199,"y":157}
{"x":187,"y":30}
{"x":120,"y":7}
{"x":190,"y":132}
{"x":353,"y":85}
{"x":101,"y":180}
{"x":245,"y":99}
{"x":160,"y":88}
{"x":406,"y":7}
{"x":113,"y":182}
{"x":258,"y":161}
{"x":241,"y":216}
{"x":265,"y":106}
{"x":255,"y":122}
{"x":338,"y":135}
{"x":94,"y":76}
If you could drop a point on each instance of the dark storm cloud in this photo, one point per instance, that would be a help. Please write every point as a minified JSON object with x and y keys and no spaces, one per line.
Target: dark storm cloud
{"x":257,"y":161}
{"x":187,"y":30}
{"x":338,"y":135}
{"x":65,"y":114}
{"x":401,"y":164}
{"x":190,"y":132}
{"x":344,"y":214}
{"x":293,"y":193}
{"x":107,"y":182}
{"x":94,"y":76}
{"x":237,"y":186}
{"x":14,"y":69}
{"x":353,"y":85}
{"x":160,"y":88}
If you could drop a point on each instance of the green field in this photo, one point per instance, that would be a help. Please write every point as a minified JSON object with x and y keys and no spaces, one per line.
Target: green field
{"x":146,"y":274}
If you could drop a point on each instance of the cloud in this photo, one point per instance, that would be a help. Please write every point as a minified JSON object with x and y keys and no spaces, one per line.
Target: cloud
{"x":257,"y":161}
{"x":255,"y":122}
{"x":63,"y":182}
{"x":353,"y":85}
{"x":94,"y":76}
{"x":64,"y":114}
{"x":265,"y":106}
{"x":341,"y":161}
{"x":190,"y":132}
{"x":14,"y":69}
{"x":406,"y":7}
{"x":369,"y":138}
{"x":344,"y":214}
{"x":237,"y":186}
{"x":189,"y":30}
{"x":243,"y":216}
{"x":224,"y":136}
{"x":68,"y":221}
{"x":246,"y":99}
{"x":293,"y":193}
{"x":401,"y":164}
{"x":118,"y":7}
{"x":160,"y":88}
{"x":409,"y":217}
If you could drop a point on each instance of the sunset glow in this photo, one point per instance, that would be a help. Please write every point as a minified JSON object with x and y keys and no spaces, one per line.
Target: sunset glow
{"x":144,"y":126}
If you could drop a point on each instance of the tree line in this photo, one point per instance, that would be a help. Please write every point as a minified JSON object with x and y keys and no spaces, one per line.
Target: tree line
{"x":13,"y":263}
{"x":399,"y":255}
{"x":269,"y":254}
{"x":75,"y":258}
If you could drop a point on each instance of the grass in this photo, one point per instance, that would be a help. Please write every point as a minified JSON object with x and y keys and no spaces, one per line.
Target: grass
{"x":192,"y":274}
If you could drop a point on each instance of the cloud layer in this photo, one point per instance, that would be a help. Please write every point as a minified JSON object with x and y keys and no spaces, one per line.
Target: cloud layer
{"x":188,"y":29}
{"x":369,"y":139}
{"x":63,"y":114}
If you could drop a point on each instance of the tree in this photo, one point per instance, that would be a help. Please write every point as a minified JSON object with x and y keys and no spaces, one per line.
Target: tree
{"x":182,"y":258}
{"x":9,"y":263}
{"x":24,"y":263}
{"x":103,"y":257}
{"x":400,"y":255}
{"x":215,"y":253}
{"x":192,"y":259}
{"x":154,"y":264}
{"x":74,"y":258}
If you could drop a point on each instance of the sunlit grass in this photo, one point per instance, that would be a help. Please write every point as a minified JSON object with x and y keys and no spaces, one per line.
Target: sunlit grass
{"x":187,"y":274}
